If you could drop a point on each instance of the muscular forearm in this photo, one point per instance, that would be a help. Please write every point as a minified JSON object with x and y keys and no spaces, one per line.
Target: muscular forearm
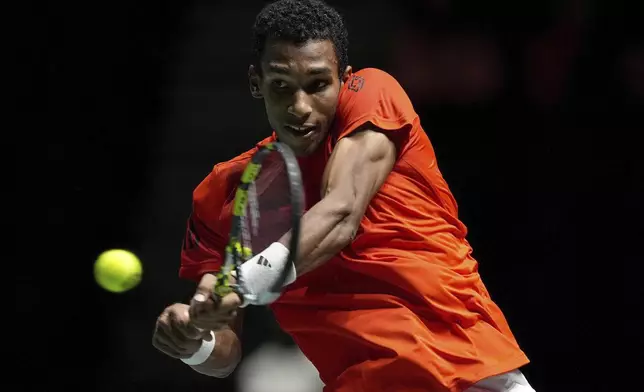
{"x":325,"y":229}
{"x":356,"y":170}
{"x":224,"y":358}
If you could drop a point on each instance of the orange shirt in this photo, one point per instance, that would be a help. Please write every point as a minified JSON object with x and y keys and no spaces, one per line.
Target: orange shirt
{"x":401,"y":308}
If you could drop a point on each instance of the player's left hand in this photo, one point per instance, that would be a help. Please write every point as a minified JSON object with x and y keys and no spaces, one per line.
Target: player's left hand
{"x":209,"y":312}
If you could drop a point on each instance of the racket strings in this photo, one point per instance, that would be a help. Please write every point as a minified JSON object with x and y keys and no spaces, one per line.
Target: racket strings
{"x":267,"y":210}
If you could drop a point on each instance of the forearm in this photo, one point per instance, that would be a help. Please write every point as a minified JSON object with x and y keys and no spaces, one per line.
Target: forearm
{"x":356,"y":170}
{"x":224,"y":358}
{"x":324,"y":230}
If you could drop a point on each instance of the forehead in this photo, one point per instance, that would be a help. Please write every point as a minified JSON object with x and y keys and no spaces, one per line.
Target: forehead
{"x":309,"y":57}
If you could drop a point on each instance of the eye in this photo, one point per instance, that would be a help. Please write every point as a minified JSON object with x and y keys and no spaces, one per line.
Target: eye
{"x":318,"y":85}
{"x":279,"y":84}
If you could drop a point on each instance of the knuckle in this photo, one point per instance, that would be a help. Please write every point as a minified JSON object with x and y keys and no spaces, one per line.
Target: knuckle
{"x":196,"y":310}
{"x":230,"y":305}
{"x":162,"y":321}
{"x":206,"y":283}
{"x":204,"y":290}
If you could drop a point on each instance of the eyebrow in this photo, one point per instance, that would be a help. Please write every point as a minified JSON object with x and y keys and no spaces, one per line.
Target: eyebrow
{"x":284,"y":69}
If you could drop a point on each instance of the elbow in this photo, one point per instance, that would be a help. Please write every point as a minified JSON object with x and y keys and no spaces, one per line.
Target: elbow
{"x":341,"y":205}
{"x":346,"y":233}
{"x":347,"y":224}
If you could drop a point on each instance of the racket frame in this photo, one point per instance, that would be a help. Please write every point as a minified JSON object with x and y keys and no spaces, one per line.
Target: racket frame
{"x":236,"y":251}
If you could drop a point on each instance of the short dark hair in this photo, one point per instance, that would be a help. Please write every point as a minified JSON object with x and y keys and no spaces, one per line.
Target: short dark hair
{"x":298,"y":21}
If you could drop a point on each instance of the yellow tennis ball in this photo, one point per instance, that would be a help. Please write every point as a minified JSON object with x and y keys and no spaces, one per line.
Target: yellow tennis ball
{"x":117,"y":270}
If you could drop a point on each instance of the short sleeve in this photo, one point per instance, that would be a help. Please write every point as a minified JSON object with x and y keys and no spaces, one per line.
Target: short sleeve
{"x":373,"y":96}
{"x":205,"y":241}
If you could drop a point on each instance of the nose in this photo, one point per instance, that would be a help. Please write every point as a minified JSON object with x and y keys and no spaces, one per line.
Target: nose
{"x":300,"y":108}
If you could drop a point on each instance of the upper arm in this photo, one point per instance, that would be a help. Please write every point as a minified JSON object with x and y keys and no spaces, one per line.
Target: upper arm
{"x":373,"y":123}
{"x":357,"y":168}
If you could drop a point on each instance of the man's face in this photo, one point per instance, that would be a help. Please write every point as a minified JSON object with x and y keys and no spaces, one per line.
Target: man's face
{"x":300,"y":86}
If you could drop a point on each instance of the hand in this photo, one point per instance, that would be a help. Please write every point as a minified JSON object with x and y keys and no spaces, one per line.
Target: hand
{"x":209,"y":312}
{"x":174,"y":334}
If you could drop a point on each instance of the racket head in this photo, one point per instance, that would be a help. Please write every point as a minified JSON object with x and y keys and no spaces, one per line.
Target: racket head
{"x":269,"y":202}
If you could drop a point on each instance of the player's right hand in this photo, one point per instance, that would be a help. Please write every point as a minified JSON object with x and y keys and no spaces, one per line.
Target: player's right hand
{"x":207,"y":311}
{"x":175,"y":335}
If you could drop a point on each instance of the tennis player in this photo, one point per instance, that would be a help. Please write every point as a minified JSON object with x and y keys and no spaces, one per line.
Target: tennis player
{"x":385,"y":294}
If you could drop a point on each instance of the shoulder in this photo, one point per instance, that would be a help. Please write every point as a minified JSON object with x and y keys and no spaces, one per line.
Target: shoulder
{"x":374,"y":90}
{"x":369,"y":80}
{"x":372,"y":95}
{"x":374,"y":76}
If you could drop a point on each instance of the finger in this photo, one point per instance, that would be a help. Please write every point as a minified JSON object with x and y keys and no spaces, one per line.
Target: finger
{"x":164,"y":341}
{"x":177,"y":332}
{"x":229,"y":303}
{"x":174,"y":344}
{"x":203,"y":301}
{"x":211,"y":312}
{"x":204,"y":289}
{"x":200,"y":310}
{"x":209,"y":320}
{"x":186,"y":328}
{"x":217,"y":316}
{"x":163,"y":331}
{"x":207,"y":325}
{"x":212,"y":322}
{"x":175,"y":352}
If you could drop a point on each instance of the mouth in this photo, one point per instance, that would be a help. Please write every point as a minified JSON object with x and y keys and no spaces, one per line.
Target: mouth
{"x":302,"y":130}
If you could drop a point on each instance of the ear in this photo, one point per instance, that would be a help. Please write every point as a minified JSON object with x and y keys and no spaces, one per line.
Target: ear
{"x":348,"y":71}
{"x":254,"y":81}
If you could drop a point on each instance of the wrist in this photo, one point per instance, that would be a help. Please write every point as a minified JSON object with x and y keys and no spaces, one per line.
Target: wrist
{"x":203,"y":353}
{"x":263,"y":271}
{"x":225,"y":358}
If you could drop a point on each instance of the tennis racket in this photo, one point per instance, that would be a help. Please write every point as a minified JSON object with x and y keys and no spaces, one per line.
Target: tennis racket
{"x":269,"y":202}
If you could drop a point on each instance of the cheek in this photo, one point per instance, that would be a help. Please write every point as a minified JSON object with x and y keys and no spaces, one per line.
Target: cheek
{"x":328,"y":103}
{"x":272,"y":110}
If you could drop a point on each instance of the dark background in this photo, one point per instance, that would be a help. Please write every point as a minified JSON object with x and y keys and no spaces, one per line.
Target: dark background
{"x":534,"y":109}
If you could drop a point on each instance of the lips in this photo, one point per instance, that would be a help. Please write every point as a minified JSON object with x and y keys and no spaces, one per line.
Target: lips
{"x":300,"y":129}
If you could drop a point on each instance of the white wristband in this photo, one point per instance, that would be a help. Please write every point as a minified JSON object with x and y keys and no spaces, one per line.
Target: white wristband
{"x":207,"y":347}
{"x":262,"y":272}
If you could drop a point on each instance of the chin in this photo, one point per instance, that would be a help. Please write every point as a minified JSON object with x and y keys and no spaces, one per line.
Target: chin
{"x":302,"y":148}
